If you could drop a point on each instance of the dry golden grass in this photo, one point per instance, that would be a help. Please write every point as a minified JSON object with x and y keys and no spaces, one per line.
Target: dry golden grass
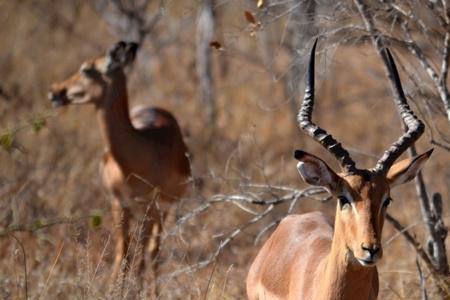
{"x":54,"y":172}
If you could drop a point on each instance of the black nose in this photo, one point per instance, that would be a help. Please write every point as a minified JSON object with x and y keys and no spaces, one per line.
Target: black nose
{"x":133,"y":47}
{"x":58,"y":97}
{"x":373,"y":249}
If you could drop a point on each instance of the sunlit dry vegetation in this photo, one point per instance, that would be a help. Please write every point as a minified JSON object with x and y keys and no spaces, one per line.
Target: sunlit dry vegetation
{"x":55,"y":221}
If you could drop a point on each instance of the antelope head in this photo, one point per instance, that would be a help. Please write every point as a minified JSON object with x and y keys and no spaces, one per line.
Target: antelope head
{"x":363,"y":194}
{"x":93,"y":82}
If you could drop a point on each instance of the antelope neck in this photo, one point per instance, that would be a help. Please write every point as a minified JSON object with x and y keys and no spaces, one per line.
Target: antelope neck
{"x":118,"y":133}
{"x":342,"y":274}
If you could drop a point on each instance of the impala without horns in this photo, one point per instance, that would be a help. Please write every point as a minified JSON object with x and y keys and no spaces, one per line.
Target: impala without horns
{"x":309,"y":258}
{"x":145,"y":155}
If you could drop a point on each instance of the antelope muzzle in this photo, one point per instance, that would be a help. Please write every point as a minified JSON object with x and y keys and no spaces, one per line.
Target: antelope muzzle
{"x":58,"y":96}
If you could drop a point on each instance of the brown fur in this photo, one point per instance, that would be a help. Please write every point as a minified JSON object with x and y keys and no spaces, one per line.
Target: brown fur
{"x":145,"y":156}
{"x":308,"y":258}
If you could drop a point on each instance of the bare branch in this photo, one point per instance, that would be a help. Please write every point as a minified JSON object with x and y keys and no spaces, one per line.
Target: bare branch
{"x":441,"y":85}
{"x":24,"y":255}
{"x":131,"y":18}
{"x":41,"y":224}
{"x":223,"y":243}
{"x":255,"y":194}
{"x":443,"y":285}
{"x":436,"y":260}
{"x":445,"y":147}
{"x":421,"y":280}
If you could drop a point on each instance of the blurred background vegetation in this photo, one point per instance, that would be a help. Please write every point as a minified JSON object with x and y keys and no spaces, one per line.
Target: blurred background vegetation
{"x":232,"y":73}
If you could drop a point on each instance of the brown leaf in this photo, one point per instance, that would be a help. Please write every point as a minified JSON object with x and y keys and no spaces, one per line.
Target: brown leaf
{"x":250,"y":17}
{"x":216,"y":45}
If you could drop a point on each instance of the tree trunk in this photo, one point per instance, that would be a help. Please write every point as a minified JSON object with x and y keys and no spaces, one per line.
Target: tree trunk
{"x":301,"y":29}
{"x":205,"y":34}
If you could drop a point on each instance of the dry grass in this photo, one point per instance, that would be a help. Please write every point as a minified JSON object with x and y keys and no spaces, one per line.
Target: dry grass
{"x":54,"y":172}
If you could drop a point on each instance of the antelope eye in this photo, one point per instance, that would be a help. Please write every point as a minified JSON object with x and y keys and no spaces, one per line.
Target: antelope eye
{"x":76,"y":93}
{"x":89,"y":70}
{"x":387,"y":202}
{"x":79,"y":94}
{"x":343,"y":202}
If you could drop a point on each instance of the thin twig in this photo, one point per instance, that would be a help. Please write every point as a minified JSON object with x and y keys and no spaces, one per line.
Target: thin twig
{"x":54,"y":264}
{"x":442,"y":284}
{"x":24,"y":264}
{"x":210,"y":278}
{"x":38,"y":225}
{"x":230,"y":237}
{"x":436,"y":143}
{"x":422,"y":280}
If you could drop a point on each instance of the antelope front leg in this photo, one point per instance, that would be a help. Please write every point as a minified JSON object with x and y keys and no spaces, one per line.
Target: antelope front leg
{"x":153,"y":248}
{"x":121,"y":219}
{"x":154,"y":245}
{"x":150,"y":241}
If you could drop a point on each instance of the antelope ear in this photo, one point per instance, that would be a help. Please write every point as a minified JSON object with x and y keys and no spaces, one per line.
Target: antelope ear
{"x":405,"y":170}
{"x":120,"y":55}
{"x":315,"y":171}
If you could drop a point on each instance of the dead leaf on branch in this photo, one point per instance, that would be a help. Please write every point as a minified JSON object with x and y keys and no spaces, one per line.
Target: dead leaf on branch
{"x":216,"y":45}
{"x":255,"y":25}
{"x":250,"y":17}
{"x":260,"y":3}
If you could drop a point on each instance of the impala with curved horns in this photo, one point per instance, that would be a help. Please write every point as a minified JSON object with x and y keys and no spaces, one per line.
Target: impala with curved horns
{"x":144,"y":155}
{"x":307,"y":257}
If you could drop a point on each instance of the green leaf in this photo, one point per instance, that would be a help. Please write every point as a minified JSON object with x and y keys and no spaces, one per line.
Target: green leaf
{"x":38,"y":123}
{"x":37,"y":224}
{"x":96,"y":221}
{"x":6,"y":141}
